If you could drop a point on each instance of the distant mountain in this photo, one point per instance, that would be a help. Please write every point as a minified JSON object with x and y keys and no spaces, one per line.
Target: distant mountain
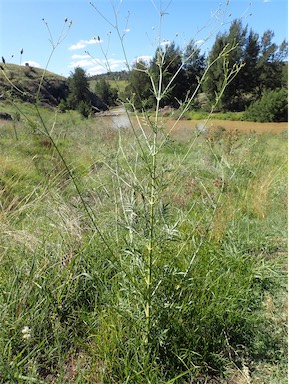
{"x":23,"y":82}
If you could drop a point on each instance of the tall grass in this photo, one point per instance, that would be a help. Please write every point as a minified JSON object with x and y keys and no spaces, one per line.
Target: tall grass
{"x":128,"y":256}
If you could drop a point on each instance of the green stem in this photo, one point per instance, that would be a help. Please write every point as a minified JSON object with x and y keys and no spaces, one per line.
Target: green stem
{"x":152,"y":202}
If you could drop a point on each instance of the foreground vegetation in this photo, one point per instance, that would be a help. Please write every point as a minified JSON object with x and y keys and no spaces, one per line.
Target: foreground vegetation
{"x":84,"y":299}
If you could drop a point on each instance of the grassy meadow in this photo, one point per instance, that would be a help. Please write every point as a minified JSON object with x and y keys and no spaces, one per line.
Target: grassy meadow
{"x":136,"y":256}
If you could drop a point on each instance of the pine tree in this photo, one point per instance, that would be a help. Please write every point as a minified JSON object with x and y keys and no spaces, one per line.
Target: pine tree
{"x":168,"y":63}
{"x":79,"y":93}
{"x":104,"y":90}
{"x":139,"y":89}
{"x":264,"y":67}
{"x":251,"y":72}
{"x":271,"y":63}
{"x":194,"y":65}
{"x":215,"y":75}
{"x":232,"y":99}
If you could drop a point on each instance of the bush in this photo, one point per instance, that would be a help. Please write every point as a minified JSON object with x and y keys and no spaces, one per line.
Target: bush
{"x":62,"y":106}
{"x":84,"y":108}
{"x":272,"y":107}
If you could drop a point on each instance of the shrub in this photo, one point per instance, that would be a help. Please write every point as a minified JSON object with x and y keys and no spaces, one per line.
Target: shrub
{"x":62,"y":106}
{"x":272,"y":107}
{"x":84,"y":108}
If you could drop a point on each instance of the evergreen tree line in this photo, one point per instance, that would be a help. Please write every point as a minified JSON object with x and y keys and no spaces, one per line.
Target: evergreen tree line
{"x":264,"y":69}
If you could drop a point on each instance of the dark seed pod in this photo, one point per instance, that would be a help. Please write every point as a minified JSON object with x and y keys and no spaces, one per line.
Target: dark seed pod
{"x":3,"y":60}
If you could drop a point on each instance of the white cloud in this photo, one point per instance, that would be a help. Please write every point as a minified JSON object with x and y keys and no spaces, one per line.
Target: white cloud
{"x":144,"y":58}
{"x":84,"y":43}
{"x":75,"y":56}
{"x":115,"y":62}
{"x":165,"y":43}
{"x":81,"y":63}
{"x":96,"y":66}
{"x":199,"y":42}
{"x":31,"y":63}
{"x":97,"y":70}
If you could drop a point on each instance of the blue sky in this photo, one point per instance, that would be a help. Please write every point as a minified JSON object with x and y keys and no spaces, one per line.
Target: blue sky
{"x":93,"y":43}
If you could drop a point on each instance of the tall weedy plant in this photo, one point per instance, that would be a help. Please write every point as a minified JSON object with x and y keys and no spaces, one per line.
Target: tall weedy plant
{"x":143,"y":190}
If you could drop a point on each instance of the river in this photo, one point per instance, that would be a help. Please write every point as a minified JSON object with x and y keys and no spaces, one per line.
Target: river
{"x":117,"y":118}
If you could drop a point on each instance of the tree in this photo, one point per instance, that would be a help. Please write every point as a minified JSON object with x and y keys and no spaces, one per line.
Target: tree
{"x":168,"y":64}
{"x":104,"y":90}
{"x":271,"y":63}
{"x":79,"y":93}
{"x":140,"y":87}
{"x":264,"y":67}
{"x":272,"y":107}
{"x":194,"y":64}
{"x":215,"y":75}
{"x":251,"y":72}
{"x":234,"y":42}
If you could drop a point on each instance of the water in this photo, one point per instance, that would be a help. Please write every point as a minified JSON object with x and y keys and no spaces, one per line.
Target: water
{"x":120,"y":120}
{"x":115,"y":118}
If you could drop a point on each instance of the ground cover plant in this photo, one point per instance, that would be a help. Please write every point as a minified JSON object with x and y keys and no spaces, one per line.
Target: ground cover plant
{"x":220,"y":241}
{"x":143,"y":254}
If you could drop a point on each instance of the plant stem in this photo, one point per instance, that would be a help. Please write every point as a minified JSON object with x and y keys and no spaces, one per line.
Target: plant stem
{"x":152,"y":202}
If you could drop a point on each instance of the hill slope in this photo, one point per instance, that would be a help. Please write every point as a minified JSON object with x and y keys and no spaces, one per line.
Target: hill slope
{"x":23,"y":82}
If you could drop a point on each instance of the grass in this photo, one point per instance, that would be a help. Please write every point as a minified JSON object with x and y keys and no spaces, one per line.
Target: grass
{"x":27,"y":74}
{"x":120,"y":85}
{"x":22,"y":83}
{"x":218,"y":276}
{"x":200,"y":115}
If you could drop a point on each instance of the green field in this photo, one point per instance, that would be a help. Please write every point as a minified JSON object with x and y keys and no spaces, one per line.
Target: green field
{"x":119,"y":85}
{"x":132,"y":256}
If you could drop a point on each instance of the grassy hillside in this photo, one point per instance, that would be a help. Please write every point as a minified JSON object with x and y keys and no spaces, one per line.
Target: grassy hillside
{"x":118,"y":266}
{"x":120,"y":85}
{"x":117,"y":80}
{"x":23,"y":82}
